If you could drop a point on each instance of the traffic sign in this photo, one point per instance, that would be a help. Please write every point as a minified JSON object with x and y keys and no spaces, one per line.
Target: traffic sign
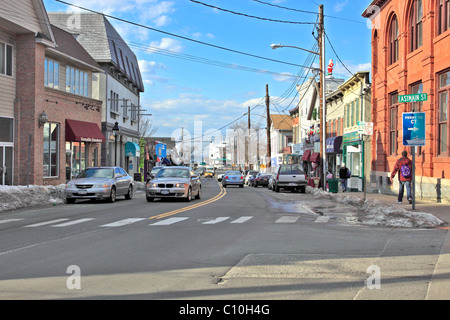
{"x":417,"y":97}
{"x":365,"y":128}
{"x":414,"y":129}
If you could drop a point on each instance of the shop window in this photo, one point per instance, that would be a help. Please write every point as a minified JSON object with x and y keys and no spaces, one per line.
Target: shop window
{"x":393,"y":41}
{"x":51,"y":150}
{"x":416,"y":25}
{"x":393,"y":110}
{"x":443,"y":103}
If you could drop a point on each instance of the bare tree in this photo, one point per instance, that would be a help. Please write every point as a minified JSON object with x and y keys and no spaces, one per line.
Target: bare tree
{"x":146,"y":128}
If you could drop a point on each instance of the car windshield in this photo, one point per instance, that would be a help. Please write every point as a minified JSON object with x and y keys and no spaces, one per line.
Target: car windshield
{"x":292,"y":169}
{"x":173,"y":173}
{"x":97,"y":173}
{"x":233,"y":173}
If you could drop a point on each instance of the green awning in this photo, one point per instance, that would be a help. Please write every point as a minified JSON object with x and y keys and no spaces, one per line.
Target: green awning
{"x":132,"y":149}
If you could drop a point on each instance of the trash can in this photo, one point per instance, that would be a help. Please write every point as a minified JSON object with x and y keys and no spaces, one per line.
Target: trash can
{"x":333,"y":185}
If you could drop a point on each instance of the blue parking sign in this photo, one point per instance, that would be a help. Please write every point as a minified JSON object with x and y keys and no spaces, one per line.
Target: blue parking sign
{"x":414,"y":129}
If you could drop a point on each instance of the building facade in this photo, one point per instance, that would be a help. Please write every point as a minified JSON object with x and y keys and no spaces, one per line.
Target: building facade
{"x":119,"y":86}
{"x":410,"y":54}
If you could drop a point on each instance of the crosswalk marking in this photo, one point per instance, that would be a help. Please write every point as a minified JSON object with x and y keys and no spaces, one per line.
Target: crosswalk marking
{"x":70,"y":223}
{"x":287,"y":219}
{"x":217,"y":220}
{"x":45,"y":223}
{"x":322,"y":219}
{"x":123,"y":222}
{"x":9,"y":220}
{"x":242,"y":219}
{"x":167,"y":222}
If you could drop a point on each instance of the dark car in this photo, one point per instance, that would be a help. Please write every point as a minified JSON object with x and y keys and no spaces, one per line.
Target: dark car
{"x":261,"y":179}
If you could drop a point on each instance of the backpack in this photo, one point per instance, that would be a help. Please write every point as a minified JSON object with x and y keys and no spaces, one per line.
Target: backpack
{"x":405,"y":171}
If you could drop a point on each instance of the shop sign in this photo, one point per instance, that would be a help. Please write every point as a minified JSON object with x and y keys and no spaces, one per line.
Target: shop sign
{"x":351,"y":136}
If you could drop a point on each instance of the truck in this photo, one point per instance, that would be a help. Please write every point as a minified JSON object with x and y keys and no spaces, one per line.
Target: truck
{"x":209,"y":172}
{"x":289,"y":176}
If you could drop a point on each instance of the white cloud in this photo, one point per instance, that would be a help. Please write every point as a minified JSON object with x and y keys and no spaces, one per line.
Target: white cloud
{"x":168,"y":44}
{"x":340,"y":6}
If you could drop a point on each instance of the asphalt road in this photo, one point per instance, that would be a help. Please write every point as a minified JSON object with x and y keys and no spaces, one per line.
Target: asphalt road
{"x":233,"y":243}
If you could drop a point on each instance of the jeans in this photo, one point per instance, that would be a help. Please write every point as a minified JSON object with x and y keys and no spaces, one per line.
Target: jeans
{"x":402,"y":188}
{"x":344,"y":184}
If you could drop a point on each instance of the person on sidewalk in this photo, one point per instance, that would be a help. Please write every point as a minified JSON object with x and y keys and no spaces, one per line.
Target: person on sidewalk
{"x":404,"y":168}
{"x":344,"y":174}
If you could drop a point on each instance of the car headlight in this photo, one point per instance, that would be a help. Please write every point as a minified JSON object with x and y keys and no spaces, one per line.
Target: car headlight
{"x":101,"y":185}
{"x":70,"y":185}
{"x":153,"y":185}
{"x":180,"y":185}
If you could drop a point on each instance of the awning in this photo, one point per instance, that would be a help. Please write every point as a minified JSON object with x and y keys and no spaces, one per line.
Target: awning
{"x":82,"y":131}
{"x":165,"y":161}
{"x":132,"y":149}
{"x":315,"y":157}
{"x":306,"y":155}
{"x":334,"y":144}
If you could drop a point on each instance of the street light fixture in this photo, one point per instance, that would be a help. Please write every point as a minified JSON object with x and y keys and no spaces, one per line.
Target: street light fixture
{"x":276,"y":46}
{"x":115,"y":129}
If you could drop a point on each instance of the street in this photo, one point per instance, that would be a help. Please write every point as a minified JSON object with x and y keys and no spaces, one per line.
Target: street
{"x":233,"y":243}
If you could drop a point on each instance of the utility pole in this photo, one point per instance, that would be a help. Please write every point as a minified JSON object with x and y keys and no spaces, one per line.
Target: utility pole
{"x":269,"y":152}
{"x":323,"y":123}
{"x":248,"y":141}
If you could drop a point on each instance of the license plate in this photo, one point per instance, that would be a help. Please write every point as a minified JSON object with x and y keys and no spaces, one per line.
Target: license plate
{"x":164,"y":191}
{"x":292,"y":184}
{"x":82,"y":192}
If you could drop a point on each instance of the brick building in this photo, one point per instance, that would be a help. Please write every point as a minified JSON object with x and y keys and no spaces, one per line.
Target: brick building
{"x":52,"y":120}
{"x":410,"y":54}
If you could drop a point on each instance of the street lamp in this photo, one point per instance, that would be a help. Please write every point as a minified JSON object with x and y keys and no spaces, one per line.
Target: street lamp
{"x":115,"y":129}
{"x":276,"y":46}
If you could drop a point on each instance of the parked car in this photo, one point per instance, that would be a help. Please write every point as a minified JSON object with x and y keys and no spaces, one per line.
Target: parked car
{"x":261,"y":179}
{"x":100,"y":183}
{"x":250,"y":173}
{"x":233,"y":178}
{"x":174,"y":182}
{"x":289,"y":176}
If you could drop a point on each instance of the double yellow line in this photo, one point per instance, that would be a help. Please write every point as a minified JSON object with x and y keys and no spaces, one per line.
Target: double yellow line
{"x":221,"y":194}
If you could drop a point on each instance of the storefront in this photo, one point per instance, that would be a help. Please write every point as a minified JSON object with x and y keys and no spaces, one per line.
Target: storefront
{"x":334,"y":154}
{"x":353,"y":154}
{"x":132,"y":155}
{"x":83,"y":141}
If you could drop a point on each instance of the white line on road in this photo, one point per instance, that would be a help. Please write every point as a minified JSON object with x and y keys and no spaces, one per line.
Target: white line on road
{"x":322,"y":219}
{"x":287,"y":219}
{"x":167,"y":222}
{"x":70,"y":223}
{"x":123,"y":222}
{"x":45,"y":223}
{"x":9,"y":220}
{"x":217,"y":220}
{"x":242,"y":219}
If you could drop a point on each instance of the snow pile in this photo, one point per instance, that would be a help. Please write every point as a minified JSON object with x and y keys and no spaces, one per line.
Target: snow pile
{"x":376,"y":213}
{"x":16,"y":197}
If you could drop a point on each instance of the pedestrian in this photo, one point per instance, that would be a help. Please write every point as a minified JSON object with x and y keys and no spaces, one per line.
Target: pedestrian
{"x":344,"y":174}
{"x":404,"y":168}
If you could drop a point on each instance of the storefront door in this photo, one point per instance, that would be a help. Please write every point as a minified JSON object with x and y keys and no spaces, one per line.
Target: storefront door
{"x":6,"y":165}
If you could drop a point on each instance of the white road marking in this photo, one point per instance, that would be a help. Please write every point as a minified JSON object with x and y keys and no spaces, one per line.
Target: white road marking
{"x":322,"y":219}
{"x":287,"y":219}
{"x":123,"y":222}
{"x":9,"y":220}
{"x":70,"y":223}
{"x":242,"y":219}
{"x":217,"y":220}
{"x":167,"y":222}
{"x":45,"y":223}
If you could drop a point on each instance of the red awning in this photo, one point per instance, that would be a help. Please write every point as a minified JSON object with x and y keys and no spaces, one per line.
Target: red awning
{"x":315,"y":157}
{"x":306,"y":155}
{"x":82,"y":131}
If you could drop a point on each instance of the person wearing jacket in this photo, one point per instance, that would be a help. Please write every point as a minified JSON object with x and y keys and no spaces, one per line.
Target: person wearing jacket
{"x":404,"y":168}
{"x":344,"y":174}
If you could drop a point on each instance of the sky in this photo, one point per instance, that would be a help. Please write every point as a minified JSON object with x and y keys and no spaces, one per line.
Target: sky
{"x":203,"y":66}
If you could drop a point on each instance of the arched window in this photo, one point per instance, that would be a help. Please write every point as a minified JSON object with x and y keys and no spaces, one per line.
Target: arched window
{"x":393,"y":41}
{"x":415,"y":25}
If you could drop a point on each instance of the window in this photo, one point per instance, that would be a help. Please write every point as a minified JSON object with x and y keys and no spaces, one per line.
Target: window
{"x":443,"y":16}
{"x":6,"y":59}
{"x":77,"y":81}
{"x":51,"y":150}
{"x":416,"y":25}
{"x":443,"y":103}
{"x":393,"y":41}
{"x":51,"y":73}
{"x":393,"y":104}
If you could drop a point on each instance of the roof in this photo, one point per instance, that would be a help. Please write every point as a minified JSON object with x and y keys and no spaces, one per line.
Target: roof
{"x":97,"y":35}
{"x":68,"y":46}
{"x":281,"y":121}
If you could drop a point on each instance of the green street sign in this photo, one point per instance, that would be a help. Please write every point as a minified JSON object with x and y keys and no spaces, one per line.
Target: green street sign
{"x":417,"y":97}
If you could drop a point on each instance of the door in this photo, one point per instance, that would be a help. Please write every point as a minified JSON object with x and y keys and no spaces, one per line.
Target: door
{"x":6,"y":165}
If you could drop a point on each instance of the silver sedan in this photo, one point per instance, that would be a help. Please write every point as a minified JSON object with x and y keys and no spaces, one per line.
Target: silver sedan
{"x":174,"y":182}
{"x":100,"y":183}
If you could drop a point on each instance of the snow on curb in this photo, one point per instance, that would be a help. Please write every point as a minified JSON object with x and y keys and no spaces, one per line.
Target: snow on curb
{"x":376,"y":213}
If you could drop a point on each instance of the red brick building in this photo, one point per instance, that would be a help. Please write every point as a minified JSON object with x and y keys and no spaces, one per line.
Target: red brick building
{"x":411,"y":54}
{"x":53,"y":115}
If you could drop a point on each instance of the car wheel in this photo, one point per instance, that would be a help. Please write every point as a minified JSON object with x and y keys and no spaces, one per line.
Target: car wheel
{"x":199,"y":194}
{"x":303,"y":189}
{"x":277,"y":189}
{"x":70,"y":200}
{"x":241,"y":186}
{"x":129,"y":195}
{"x":150,"y":199}
{"x":189,"y":195}
{"x":112,"y":197}
{"x":255,"y":185}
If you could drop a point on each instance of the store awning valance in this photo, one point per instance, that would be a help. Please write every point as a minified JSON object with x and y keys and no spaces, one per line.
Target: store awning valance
{"x":306,"y":155}
{"x":82,"y":131}
{"x":334,"y":144}
{"x":132,"y":149}
{"x":315,"y":157}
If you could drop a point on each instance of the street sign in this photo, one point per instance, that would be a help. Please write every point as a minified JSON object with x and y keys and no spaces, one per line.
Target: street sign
{"x":414,"y":129}
{"x":365,"y":128}
{"x":417,"y":97}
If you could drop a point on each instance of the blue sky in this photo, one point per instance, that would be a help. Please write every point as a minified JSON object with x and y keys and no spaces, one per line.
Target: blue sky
{"x":183,"y":83}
